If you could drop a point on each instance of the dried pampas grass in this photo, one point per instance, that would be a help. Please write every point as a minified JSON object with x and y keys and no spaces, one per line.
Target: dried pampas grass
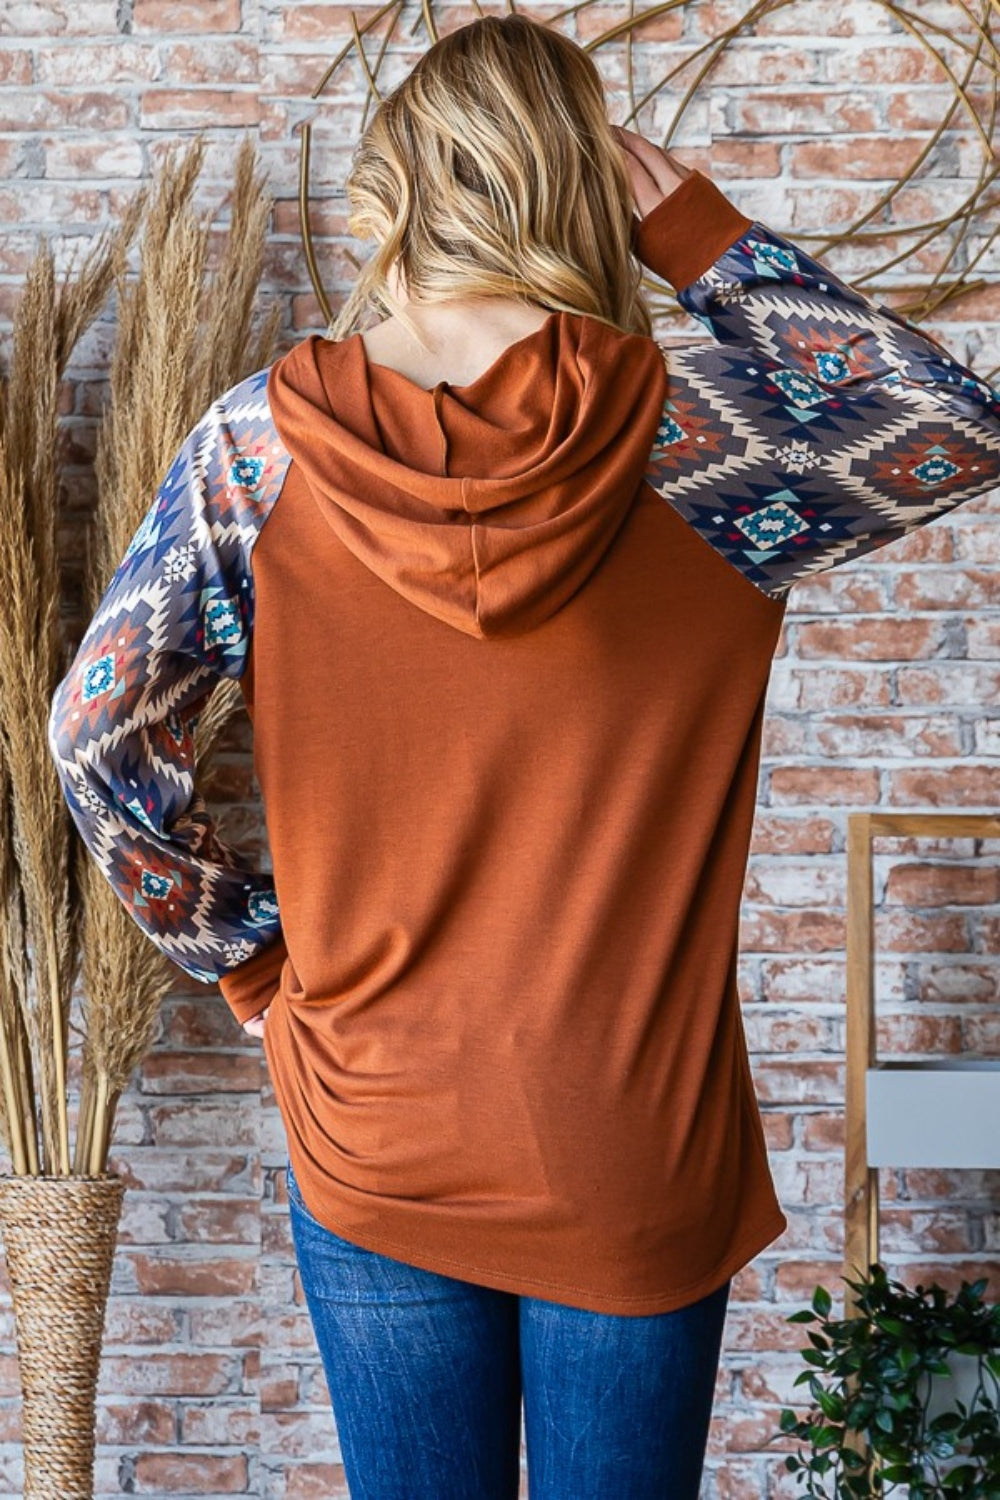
{"x":183,"y":337}
{"x":39,"y":940}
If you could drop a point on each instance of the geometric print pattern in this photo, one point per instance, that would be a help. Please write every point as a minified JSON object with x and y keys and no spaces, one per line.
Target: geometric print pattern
{"x":815,"y":428}
{"x":819,"y":425}
{"x":175,"y":618}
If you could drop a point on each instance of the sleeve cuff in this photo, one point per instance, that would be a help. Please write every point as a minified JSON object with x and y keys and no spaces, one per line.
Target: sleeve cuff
{"x":688,"y":230}
{"x":251,"y":986}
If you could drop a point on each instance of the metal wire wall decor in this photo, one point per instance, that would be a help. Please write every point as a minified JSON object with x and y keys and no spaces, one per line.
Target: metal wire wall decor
{"x":966,"y":27}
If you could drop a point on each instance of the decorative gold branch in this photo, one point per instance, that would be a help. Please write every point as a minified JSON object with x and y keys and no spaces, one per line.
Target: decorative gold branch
{"x":972,"y":34}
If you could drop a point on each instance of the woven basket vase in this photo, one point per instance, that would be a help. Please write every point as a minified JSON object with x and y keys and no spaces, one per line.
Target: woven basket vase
{"x":59,"y":1234}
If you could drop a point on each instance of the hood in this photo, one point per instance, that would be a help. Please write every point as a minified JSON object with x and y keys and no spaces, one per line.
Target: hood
{"x":487,"y":505}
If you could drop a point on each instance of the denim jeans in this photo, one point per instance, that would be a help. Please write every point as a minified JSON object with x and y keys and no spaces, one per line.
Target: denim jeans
{"x":427,"y":1374}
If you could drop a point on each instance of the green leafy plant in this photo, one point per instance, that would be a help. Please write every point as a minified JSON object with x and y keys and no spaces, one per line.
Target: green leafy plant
{"x":875,"y":1377}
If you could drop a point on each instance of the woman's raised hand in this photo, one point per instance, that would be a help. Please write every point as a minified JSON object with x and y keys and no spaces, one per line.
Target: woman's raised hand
{"x":654,"y":173}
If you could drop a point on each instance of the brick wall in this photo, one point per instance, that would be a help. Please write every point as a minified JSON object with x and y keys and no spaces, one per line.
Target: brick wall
{"x":882,"y":695}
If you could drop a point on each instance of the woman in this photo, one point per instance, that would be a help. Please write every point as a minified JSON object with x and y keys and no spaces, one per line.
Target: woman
{"x":502,"y":580}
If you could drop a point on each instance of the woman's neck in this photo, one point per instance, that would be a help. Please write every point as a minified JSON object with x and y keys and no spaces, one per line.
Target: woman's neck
{"x":463,"y":337}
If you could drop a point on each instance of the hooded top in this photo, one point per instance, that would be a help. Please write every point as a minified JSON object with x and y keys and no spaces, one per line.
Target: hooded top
{"x":487,"y":505}
{"x":505,"y":648}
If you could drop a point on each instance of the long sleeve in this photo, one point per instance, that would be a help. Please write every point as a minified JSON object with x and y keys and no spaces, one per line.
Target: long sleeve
{"x":176,"y":617}
{"x":819,"y":425}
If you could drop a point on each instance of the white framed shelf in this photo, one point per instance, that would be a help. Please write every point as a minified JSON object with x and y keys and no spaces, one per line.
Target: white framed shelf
{"x":901,"y":1112}
{"x":941,"y":1112}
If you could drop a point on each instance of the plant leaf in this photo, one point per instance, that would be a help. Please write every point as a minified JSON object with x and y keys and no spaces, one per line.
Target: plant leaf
{"x":946,"y":1422}
{"x":955,"y":1479}
{"x":831,"y":1404}
{"x":898,"y":1473}
{"x":822,"y":1301}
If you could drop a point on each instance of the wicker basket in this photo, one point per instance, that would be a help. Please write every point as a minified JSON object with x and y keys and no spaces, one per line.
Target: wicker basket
{"x":59,"y":1234}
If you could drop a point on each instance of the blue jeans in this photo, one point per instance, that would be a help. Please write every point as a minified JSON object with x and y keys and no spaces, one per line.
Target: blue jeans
{"x":427,"y":1373}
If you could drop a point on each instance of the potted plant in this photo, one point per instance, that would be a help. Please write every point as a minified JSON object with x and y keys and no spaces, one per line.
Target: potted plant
{"x":905,"y":1393}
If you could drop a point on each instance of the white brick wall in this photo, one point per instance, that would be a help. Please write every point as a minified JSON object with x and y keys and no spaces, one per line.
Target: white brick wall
{"x":884,"y":694}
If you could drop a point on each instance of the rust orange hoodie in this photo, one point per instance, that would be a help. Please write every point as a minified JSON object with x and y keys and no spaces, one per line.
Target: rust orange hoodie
{"x":505,"y":647}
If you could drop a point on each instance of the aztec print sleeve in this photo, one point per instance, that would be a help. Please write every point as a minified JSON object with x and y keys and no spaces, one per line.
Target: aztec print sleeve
{"x":176,"y":617}
{"x":820,"y":425}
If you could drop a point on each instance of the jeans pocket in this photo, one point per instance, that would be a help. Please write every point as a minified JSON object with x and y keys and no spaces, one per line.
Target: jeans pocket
{"x":295,"y":1193}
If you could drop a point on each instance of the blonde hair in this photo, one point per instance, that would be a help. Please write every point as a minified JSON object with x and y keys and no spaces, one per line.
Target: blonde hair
{"x":492,"y":170}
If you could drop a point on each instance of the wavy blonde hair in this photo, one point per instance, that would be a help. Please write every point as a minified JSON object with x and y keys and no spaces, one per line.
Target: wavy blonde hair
{"x":492,"y":170}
